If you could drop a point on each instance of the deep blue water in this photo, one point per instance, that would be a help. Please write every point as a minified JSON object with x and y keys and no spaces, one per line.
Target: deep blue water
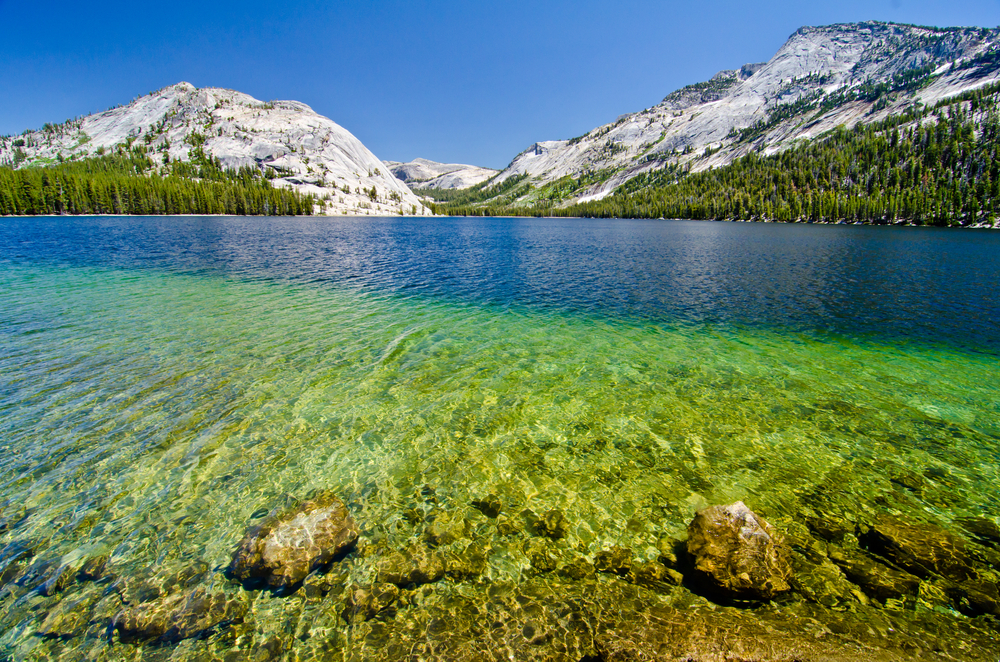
{"x":935,"y":285}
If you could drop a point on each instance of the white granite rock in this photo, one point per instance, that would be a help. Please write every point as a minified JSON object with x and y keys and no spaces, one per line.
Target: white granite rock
{"x":306,"y":151}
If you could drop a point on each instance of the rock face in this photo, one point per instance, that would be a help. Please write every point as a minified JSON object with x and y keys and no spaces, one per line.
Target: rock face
{"x":739,"y":553}
{"x":286,"y":140}
{"x":922,"y":549}
{"x":285,"y":549}
{"x":416,"y":565}
{"x":750,"y":109}
{"x":178,"y":616}
{"x":421,"y":173}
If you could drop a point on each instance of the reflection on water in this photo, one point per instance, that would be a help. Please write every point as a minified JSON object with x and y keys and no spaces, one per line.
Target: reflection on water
{"x":164,"y":387}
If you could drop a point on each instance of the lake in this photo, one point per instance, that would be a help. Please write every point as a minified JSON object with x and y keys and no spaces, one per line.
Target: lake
{"x":166,"y":383}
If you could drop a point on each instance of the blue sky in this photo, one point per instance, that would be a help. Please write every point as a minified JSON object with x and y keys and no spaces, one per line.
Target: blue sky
{"x":471,"y":82}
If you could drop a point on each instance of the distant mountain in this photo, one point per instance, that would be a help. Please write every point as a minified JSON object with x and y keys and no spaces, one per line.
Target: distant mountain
{"x":421,"y":173}
{"x":822,"y":77}
{"x":292,"y":145}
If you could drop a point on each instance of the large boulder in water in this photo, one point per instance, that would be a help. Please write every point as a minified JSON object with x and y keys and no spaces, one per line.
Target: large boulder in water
{"x":739,"y":553}
{"x":286,"y":548}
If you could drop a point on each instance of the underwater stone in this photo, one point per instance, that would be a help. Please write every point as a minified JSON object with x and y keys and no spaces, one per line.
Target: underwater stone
{"x":540,"y":555}
{"x":507,"y":526}
{"x":178,"y":616}
{"x":57,"y":581}
{"x":829,"y":527}
{"x":578,"y":569}
{"x":975,"y":598}
{"x":364,"y":603}
{"x":553,"y":524}
{"x":93,"y":569}
{"x":738,"y":552}
{"x":876,"y":580}
{"x":668,"y":548}
{"x":655,"y":575}
{"x":285,"y":549}
{"x":68,"y":618}
{"x":920,"y":548}
{"x":985,"y":530}
{"x":446,"y":528}
{"x":489,"y":506}
{"x":13,"y":557}
{"x":471,"y":562}
{"x":617,"y":560}
{"x":417,"y":565}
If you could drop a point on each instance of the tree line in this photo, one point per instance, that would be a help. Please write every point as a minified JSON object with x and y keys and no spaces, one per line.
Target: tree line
{"x":937,"y":166}
{"x":129,"y":182}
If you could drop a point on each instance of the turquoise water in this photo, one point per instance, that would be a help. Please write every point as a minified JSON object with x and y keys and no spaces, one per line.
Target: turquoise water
{"x":155,"y":404}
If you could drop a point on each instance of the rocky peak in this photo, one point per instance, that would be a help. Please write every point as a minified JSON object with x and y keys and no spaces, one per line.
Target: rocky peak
{"x":820,"y":78}
{"x":295,"y":146}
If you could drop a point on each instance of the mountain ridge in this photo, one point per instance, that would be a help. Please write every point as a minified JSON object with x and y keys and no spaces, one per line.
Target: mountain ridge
{"x":426,"y":174}
{"x":293,"y":145}
{"x":822,"y":77}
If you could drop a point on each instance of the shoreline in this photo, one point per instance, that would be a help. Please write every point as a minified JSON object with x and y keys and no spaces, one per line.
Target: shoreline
{"x":980,"y":226}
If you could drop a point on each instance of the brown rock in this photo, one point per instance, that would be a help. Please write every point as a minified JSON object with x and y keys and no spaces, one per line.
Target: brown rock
{"x":178,"y":616}
{"x":364,"y":603}
{"x":876,"y":580}
{"x":93,"y":569}
{"x":539,"y":553}
{"x":617,"y":560}
{"x":985,"y":530}
{"x":446,"y":528}
{"x":284,"y":550}
{"x":417,"y":565}
{"x":738,"y":552}
{"x":489,"y":506}
{"x":553,"y":524}
{"x":655,"y":575}
{"x":57,"y":581}
{"x":920,"y":548}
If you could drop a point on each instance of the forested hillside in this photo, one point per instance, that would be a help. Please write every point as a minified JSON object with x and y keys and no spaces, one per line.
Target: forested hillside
{"x":130,"y":182}
{"x":936,"y":166}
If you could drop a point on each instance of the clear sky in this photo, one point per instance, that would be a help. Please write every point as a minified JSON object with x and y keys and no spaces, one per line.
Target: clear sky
{"x":455,"y":81}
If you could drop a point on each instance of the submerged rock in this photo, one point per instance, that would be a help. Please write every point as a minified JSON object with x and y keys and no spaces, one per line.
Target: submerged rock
{"x":13,"y":559}
{"x":617,"y":560}
{"x":553,"y":524}
{"x":489,"y":505}
{"x":578,"y":569}
{"x":417,"y":565}
{"x":540,"y":554}
{"x":875,"y":579}
{"x":920,"y":548}
{"x":70,"y":617}
{"x":364,"y":603}
{"x":446,"y":528}
{"x":738,"y":552}
{"x":986,"y":531}
{"x":59,"y":579}
{"x":93,"y":569}
{"x":178,"y":616}
{"x":285,"y":549}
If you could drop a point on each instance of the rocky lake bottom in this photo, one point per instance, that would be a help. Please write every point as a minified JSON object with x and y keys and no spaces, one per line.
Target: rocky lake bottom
{"x":206,"y":467}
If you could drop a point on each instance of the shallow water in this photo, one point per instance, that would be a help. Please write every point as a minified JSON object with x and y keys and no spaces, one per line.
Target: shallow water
{"x":165,"y":383}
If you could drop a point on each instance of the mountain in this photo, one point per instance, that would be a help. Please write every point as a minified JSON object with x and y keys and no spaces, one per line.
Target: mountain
{"x":821,"y":78}
{"x":421,"y":173}
{"x":293,"y":146}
